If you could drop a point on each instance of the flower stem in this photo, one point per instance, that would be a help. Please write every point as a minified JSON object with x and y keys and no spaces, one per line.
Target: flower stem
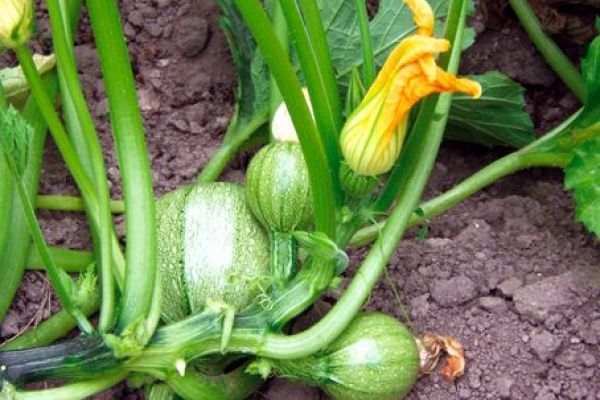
{"x":71,"y":90}
{"x":74,"y":391}
{"x":366,"y":43}
{"x":551,"y":52}
{"x":430,"y":209}
{"x":72,"y":204}
{"x":311,"y":141}
{"x":72,"y":261}
{"x":234,"y":140}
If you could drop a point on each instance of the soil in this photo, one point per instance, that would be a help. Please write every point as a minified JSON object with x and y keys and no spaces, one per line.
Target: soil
{"x":509,"y":272}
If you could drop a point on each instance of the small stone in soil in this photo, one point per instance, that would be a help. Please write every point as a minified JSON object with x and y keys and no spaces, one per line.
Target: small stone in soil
{"x":504,"y":385}
{"x":545,"y":345}
{"x":535,"y":302}
{"x":454,"y":291}
{"x":509,"y":286}
{"x":492,"y":304}
{"x":281,"y":389}
{"x":193,"y":33}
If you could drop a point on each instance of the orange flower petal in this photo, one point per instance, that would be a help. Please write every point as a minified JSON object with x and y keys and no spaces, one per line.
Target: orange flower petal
{"x":447,"y":82}
{"x":422,"y":15}
{"x":408,"y":51}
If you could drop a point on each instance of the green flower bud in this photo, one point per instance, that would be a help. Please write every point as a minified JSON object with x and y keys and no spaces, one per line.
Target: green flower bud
{"x":15,"y":22}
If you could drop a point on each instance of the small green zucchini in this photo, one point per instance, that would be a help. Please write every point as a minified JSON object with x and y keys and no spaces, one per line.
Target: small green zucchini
{"x":278,"y":192}
{"x":376,"y":357}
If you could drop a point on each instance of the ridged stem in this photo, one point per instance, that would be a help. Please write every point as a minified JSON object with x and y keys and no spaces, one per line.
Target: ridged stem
{"x":550,"y":51}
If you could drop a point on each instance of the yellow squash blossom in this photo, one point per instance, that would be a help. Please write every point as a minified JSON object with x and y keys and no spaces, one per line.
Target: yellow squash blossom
{"x":373,"y":135}
{"x":15,"y":22}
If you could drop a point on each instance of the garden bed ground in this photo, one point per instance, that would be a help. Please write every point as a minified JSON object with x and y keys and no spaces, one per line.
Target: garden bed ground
{"x":509,"y":272}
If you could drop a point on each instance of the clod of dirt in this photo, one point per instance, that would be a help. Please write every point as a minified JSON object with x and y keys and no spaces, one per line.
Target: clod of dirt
{"x":286,"y":390}
{"x":492,"y":304}
{"x":193,"y":33}
{"x":509,"y":286}
{"x":504,"y":385}
{"x":536,"y":302}
{"x":454,"y":291}
{"x":545,"y":345}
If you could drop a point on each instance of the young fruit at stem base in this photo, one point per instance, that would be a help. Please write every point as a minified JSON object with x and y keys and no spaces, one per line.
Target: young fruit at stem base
{"x":278,"y":192}
{"x":210,"y":248}
{"x":278,"y":187}
{"x":376,"y":357}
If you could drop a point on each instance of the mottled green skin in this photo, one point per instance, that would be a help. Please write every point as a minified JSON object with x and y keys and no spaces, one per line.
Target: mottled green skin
{"x":278,"y":187}
{"x":210,"y":247}
{"x":375,"y":358}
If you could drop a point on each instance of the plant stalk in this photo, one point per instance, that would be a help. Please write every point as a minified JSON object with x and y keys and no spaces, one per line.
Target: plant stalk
{"x":551,"y":52}
{"x":312,"y":143}
{"x":72,"y":204}
{"x":139,"y":289}
{"x":366,"y":43}
{"x":72,"y":90}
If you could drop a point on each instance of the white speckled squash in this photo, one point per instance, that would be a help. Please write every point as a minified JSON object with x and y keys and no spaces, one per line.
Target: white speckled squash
{"x":278,"y":187}
{"x":210,"y":246}
{"x":376,"y":357}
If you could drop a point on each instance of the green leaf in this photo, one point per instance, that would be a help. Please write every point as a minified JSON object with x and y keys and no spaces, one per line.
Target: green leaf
{"x":252,"y":94}
{"x":392,"y":23}
{"x":590,"y":68}
{"x":15,"y":133}
{"x":14,"y":83}
{"x":582,"y":176}
{"x":497,"y":118}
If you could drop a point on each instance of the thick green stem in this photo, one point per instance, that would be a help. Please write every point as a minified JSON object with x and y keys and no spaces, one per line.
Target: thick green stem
{"x":160,"y":391}
{"x":366,"y":43}
{"x":312,"y":143}
{"x":96,"y":170}
{"x":231,"y":145}
{"x":283,"y":257}
{"x":74,"y":391}
{"x":307,"y":30}
{"x":139,"y":289}
{"x":66,"y":259}
{"x":58,"y":131}
{"x":547,"y":151}
{"x":236,"y":385}
{"x":281,"y":31}
{"x":430,"y":209}
{"x":551,"y":52}
{"x":72,"y":204}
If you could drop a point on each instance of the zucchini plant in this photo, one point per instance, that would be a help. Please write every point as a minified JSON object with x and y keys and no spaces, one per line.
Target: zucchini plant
{"x":199,"y":303}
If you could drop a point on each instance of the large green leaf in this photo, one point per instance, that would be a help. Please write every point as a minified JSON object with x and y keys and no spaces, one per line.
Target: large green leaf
{"x":497,"y":118}
{"x":582,"y":175}
{"x":252,"y":94}
{"x":392,"y":23}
